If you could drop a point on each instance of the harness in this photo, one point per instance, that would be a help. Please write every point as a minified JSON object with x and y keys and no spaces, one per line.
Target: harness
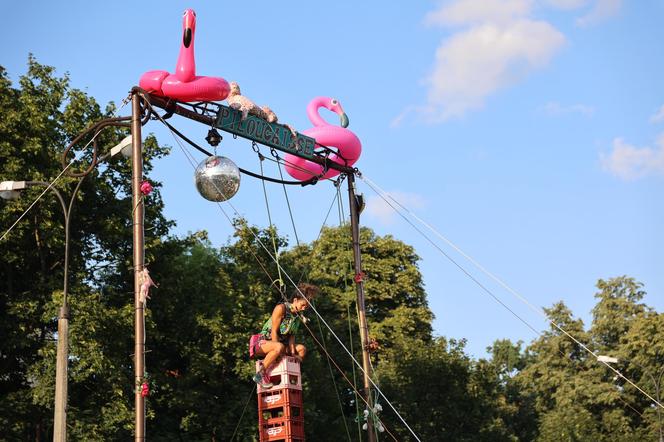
{"x":290,"y":324}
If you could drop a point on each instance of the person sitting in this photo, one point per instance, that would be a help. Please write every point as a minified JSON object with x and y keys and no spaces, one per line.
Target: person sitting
{"x":277,"y":337}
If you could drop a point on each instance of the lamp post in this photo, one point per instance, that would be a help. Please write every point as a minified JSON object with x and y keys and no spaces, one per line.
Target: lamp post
{"x":11,"y":190}
{"x":656,"y":380}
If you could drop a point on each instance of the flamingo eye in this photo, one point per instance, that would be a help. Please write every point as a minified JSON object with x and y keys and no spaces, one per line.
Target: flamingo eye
{"x":334,"y":102}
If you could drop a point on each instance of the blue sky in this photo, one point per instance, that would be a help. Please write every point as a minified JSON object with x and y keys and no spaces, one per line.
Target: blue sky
{"x":529,"y":133}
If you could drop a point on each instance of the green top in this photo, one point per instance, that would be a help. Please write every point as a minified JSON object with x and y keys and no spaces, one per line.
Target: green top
{"x":290,"y":324}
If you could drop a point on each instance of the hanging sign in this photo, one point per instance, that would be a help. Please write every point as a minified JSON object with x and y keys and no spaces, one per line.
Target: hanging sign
{"x":270,"y":134}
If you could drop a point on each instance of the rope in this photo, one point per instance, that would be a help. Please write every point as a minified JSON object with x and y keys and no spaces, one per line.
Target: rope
{"x":336,"y":389}
{"x":489,"y":292}
{"x":350,"y":327}
{"x":342,"y":215}
{"x":335,"y":199}
{"x":330,"y":358}
{"x":290,"y":212}
{"x":258,"y":240}
{"x":382,"y":194}
{"x":312,"y":180}
{"x":357,"y":403}
{"x":273,"y":233}
{"x":251,"y":394}
{"x":52,"y":183}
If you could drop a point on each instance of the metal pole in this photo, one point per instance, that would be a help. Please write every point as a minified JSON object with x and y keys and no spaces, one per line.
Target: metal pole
{"x":139,"y":257}
{"x":659,"y":409}
{"x":62,"y":352}
{"x":364,"y":332}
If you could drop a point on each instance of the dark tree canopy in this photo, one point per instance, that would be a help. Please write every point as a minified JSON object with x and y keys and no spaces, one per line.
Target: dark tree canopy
{"x":211,"y":299}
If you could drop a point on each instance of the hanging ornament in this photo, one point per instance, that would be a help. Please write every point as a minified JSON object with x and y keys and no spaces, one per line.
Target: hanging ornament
{"x":146,"y":188}
{"x":145,"y":389}
{"x":217,"y":178}
{"x":145,"y":283}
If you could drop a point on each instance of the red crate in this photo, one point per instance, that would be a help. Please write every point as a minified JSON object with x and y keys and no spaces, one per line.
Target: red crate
{"x":281,"y":429}
{"x":276,"y":398}
{"x":287,"y":411}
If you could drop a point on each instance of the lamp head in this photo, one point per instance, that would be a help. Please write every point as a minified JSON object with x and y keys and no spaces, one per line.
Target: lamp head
{"x":10,"y":190}
{"x":213,"y":137}
{"x":123,"y":147}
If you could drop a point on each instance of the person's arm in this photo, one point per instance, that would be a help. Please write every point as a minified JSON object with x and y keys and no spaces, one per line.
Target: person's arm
{"x":277,"y":317}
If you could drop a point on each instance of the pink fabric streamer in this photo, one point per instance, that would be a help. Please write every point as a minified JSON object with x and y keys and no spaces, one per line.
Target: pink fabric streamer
{"x":145,"y":282}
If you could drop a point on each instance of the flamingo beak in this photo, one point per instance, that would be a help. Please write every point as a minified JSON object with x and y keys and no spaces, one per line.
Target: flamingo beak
{"x":344,"y":120}
{"x":188,"y":29}
{"x":186,"y":38}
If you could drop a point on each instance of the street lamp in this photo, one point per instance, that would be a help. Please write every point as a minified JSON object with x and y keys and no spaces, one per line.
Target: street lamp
{"x":656,"y":380}
{"x":10,"y":190}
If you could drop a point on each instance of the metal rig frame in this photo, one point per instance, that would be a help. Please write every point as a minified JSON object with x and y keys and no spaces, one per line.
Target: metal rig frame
{"x":211,"y":114}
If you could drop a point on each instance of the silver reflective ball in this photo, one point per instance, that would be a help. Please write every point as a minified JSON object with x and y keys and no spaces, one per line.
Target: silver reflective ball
{"x":217,"y":178}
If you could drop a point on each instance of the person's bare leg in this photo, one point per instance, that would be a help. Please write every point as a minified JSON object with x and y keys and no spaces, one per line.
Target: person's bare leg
{"x":300,"y":351}
{"x":272,"y":352}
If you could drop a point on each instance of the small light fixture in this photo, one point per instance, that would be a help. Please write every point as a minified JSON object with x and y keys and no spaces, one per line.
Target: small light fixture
{"x":361,"y":203}
{"x":213,"y":137}
{"x":123,"y":147}
{"x":607,"y":359}
{"x":10,"y":190}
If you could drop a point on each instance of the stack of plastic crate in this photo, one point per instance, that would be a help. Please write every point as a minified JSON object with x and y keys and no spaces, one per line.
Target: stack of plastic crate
{"x":280,"y":413}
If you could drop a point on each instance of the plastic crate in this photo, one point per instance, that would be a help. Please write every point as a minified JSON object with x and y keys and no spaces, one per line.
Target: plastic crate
{"x":282,"y":429}
{"x":287,"y":411}
{"x":277,"y":398}
{"x":285,"y":374}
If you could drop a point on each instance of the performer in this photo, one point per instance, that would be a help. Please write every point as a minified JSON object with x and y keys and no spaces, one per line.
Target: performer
{"x":275,"y":341}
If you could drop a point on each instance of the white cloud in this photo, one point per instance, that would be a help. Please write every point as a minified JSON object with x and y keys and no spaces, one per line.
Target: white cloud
{"x":465,"y":12}
{"x":554,"y":108}
{"x":477,"y":62}
{"x":380,"y":209}
{"x":629,"y":162}
{"x":498,"y":45}
{"x":658,"y":116}
{"x":602,"y":10}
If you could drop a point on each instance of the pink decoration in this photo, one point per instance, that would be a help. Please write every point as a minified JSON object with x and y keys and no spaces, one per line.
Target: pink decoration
{"x":145,"y":283}
{"x":145,"y":389}
{"x":146,"y":188}
{"x":185,"y":85}
{"x":348,"y":146}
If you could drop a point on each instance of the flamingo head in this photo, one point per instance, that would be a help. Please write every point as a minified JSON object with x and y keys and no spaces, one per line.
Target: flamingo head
{"x":334,"y":105}
{"x":188,"y":27}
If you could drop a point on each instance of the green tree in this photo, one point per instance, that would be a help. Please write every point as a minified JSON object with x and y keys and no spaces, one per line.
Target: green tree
{"x":641,"y":358}
{"x":617,"y":307}
{"x":575,"y":397}
{"x":37,"y":120}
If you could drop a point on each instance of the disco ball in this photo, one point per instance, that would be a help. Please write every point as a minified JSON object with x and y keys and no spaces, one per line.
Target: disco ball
{"x":217,"y":178}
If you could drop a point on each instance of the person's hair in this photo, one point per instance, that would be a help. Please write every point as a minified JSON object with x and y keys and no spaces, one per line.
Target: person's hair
{"x":304,"y":290}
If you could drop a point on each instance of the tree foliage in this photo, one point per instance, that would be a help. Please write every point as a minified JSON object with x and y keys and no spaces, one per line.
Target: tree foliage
{"x":210,"y":300}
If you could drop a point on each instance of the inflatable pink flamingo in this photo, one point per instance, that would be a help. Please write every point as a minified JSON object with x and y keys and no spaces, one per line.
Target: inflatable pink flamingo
{"x":348,"y":146}
{"x":185,"y":85}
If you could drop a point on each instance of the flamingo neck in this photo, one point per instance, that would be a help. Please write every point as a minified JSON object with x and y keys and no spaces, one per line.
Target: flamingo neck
{"x":312,"y":111}
{"x":185,"y":69}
